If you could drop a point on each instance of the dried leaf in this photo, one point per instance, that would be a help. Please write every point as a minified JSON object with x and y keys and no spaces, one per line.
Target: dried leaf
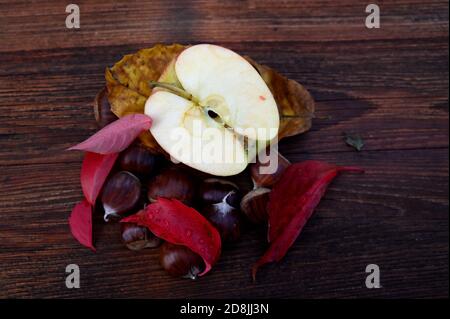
{"x":123,"y":100}
{"x":127,"y":83}
{"x":117,"y":136}
{"x":151,"y":144}
{"x":128,"y":88}
{"x":295,"y":104}
{"x":179,"y":224}
{"x":135,"y":71}
{"x":354,"y":141}
{"x":169,"y":75}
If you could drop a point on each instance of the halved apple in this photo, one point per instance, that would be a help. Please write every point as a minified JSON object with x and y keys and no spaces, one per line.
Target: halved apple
{"x":216,"y":113}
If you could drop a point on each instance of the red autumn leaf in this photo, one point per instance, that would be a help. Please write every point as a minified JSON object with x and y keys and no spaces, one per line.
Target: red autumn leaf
{"x":301,"y":188}
{"x":94,"y":171}
{"x":117,"y":136}
{"x":292,"y":202}
{"x":179,"y":224}
{"x":80,"y":222}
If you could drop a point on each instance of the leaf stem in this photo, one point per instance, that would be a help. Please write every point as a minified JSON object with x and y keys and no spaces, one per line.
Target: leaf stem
{"x":174,"y":89}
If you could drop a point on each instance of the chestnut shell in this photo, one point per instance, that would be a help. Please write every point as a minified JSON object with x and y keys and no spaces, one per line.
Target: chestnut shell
{"x":172,"y":183}
{"x":121,"y":194}
{"x":254,"y":205}
{"x":226,"y":219}
{"x":268,"y":180}
{"x":137,"y":159}
{"x":214,"y":190}
{"x":137,"y":237}
{"x":102,"y":109}
{"x":180,"y":261}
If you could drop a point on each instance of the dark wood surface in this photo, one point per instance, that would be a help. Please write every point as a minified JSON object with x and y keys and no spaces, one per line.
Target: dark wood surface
{"x":390,"y":85}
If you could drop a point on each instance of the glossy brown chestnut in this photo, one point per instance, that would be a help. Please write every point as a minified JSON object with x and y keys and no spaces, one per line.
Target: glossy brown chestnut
{"x":263,"y":179}
{"x":226,"y":218}
{"x":137,"y":237}
{"x":121,"y":194}
{"x":180,"y":261}
{"x":102,"y":109}
{"x":254,"y":205}
{"x":137,"y":159}
{"x":214,"y":190}
{"x":172,"y":183}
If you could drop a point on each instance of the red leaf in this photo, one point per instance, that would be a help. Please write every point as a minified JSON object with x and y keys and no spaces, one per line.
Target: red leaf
{"x":80,"y":222}
{"x":117,"y":136}
{"x":292,"y":202}
{"x":179,"y":224}
{"x":94,"y":171}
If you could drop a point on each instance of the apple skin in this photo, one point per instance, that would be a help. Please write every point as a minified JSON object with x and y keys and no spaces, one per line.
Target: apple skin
{"x":207,"y":79}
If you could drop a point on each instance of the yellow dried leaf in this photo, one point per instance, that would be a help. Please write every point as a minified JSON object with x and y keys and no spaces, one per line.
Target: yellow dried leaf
{"x":123,"y":100}
{"x":135,"y":70}
{"x":149,"y":141}
{"x":127,"y":84}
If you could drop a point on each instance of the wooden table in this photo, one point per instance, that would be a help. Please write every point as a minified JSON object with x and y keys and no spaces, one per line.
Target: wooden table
{"x":389,"y":84}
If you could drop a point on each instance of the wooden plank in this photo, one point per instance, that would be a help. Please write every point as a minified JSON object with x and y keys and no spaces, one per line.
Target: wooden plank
{"x":391,"y":124}
{"x":54,"y":101}
{"x":395,"y":215}
{"x":146,"y":22}
{"x":390,"y":85}
{"x":337,"y":70}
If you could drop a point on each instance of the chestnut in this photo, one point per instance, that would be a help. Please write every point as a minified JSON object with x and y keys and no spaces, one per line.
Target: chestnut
{"x":137,"y":159}
{"x":214,"y":190}
{"x":180,"y":261}
{"x":137,"y":237}
{"x":102,"y":109}
{"x":254,"y":205}
{"x":260,"y":177}
{"x":121,"y":194}
{"x":172,"y":183}
{"x":226,"y":219}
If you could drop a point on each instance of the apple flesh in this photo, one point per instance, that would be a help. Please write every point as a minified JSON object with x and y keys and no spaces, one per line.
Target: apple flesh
{"x":218,"y":109}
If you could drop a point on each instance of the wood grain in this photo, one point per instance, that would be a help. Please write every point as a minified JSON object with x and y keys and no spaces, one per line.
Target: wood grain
{"x":108,"y":22}
{"x":390,"y":85}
